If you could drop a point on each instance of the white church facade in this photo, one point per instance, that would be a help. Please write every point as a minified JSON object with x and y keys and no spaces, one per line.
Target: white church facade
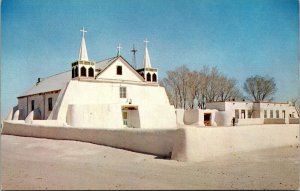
{"x":107,"y":94}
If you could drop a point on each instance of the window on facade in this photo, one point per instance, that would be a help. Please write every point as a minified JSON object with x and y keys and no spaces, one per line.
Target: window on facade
{"x":119,"y":70}
{"x":32,"y":105}
{"x":243,"y":114}
{"x":76,"y":72}
{"x":283,"y":113}
{"x":50,"y":106}
{"x":249,"y":113}
{"x":73,"y":72}
{"x":154,"y":78}
{"x":91,"y":72}
{"x":122,"y":92}
{"x":83,"y":71}
{"x":237,"y":114}
{"x":271,"y":113}
{"x":265,"y":113}
{"x":277,"y":113}
{"x":149,"y":77}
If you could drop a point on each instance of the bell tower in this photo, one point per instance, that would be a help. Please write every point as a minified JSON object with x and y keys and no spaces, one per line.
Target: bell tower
{"x":83,"y":68}
{"x":149,"y":73}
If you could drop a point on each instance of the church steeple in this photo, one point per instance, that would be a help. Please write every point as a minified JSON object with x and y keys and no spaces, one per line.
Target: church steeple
{"x":83,"y":56}
{"x":149,"y":73}
{"x":147,"y":63}
{"x":83,"y":68}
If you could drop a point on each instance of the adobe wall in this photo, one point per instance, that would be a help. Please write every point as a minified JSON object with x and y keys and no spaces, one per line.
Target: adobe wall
{"x":200,"y":144}
{"x":185,"y":144}
{"x":96,"y":115}
{"x":156,"y":106}
{"x":224,"y":118}
{"x":274,"y":121}
{"x":250,"y":121}
{"x":191,"y":117}
{"x":157,"y":142}
{"x":40,"y":102}
{"x":293,"y":120}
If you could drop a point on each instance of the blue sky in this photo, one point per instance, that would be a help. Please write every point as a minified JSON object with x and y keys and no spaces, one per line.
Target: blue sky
{"x":242,"y":38}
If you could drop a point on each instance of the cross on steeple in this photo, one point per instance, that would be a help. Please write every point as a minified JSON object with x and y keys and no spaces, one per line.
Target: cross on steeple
{"x":147,"y":63}
{"x":119,"y":49}
{"x":83,"y":52}
{"x":83,"y":31}
{"x":146,"y":41}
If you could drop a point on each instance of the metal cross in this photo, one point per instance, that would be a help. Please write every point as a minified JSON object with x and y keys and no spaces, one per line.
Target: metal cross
{"x":119,"y":49}
{"x":83,"y":31}
{"x":146,"y":41}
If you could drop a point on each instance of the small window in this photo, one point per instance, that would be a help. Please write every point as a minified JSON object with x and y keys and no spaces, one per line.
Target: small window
{"x":83,"y":71}
{"x":154,"y":78}
{"x":91,"y":72}
{"x":76,"y":72}
{"x":32,"y":105}
{"x":237,"y":114}
{"x":50,"y":106}
{"x":243,"y":112}
{"x":73,"y":72}
{"x":119,"y":70}
{"x":265,"y":113}
{"x":148,"y":77}
{"x":122,"y":92}
{"x":271,"y":113}
{"x":277,"y":113}
{"x":249,"y":113}
{"x":283,"y":113}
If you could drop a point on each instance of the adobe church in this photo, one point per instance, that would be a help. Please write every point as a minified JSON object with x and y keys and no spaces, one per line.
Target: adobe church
{"x":107,"y":94}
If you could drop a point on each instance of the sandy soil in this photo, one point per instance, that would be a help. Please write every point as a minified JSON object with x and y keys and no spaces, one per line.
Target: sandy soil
{"x":33,"y":163}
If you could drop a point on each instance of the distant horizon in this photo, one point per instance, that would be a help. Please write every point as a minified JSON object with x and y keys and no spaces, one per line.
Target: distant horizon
{"x":241,"y":38}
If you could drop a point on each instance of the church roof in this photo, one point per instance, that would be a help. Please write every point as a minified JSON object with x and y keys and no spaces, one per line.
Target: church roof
{"x":101,"y":65}
{"x":51,"y":83}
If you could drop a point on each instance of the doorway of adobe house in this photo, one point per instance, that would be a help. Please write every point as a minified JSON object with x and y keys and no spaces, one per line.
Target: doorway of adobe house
{"x":207,"y":119}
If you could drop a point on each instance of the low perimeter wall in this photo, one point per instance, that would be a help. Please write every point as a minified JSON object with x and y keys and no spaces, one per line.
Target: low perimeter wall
{"x":185,"y":144}
{"x":200,"y":144}
{"x":157,"y":142}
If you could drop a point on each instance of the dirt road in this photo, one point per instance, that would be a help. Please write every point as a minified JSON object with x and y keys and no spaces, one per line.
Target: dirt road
{"x":33,"y":163}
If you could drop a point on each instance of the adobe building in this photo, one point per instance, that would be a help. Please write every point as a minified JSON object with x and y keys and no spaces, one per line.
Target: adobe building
{"x":107,"y":94}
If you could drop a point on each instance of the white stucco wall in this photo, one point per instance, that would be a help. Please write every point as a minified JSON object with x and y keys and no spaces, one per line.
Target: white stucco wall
{"x":200,"y":144}
{"x":196,"y":117}
{"x":179,"y":116}
{"x":96,"y":115}
{"x":152,"y":101}
{"x":157,"y":142}
{"x":191,"y":117}
{"x":216,"y":105}
{"x":40,"y":102}
{"x":250,"y":121}
{"x":111,"y":72}
{"x":185,"y":144}
{"x":224,"y":118}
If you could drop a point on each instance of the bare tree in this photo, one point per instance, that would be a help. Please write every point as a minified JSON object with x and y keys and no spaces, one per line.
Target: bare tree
{"x":176,"y":83}
{"x":183,"y":87}
{"x":260,"y":88}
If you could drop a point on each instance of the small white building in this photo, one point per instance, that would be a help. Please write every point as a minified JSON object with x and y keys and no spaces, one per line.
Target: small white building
{"x":248,"y":112}
{"x":105,"y":94}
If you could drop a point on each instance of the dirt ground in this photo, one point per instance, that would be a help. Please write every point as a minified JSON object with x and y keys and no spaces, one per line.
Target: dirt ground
{"x":34,"y":163}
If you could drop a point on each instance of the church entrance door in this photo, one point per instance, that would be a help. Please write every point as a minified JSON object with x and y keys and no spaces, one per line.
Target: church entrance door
{"x":125,"y":118}
{"x":130,"y":116}
{"x":207,"y":119}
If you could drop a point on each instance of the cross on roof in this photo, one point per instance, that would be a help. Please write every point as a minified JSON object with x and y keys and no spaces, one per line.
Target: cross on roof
{"x":83,"y":31}
{"x":146,"y":41}
{"x":119,"y":49}
{"x":134,"y":50}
